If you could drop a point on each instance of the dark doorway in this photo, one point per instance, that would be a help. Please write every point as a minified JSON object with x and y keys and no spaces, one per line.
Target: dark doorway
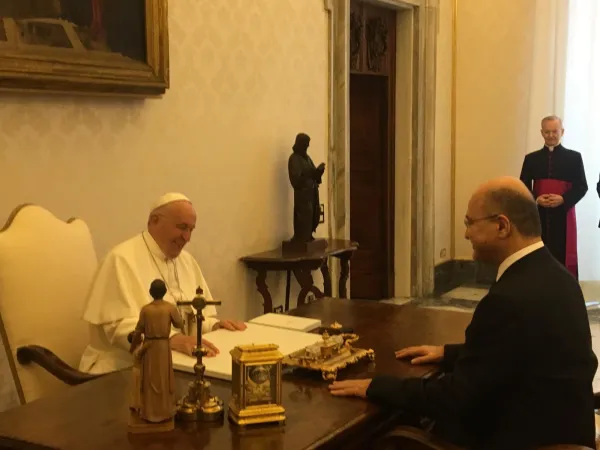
{"x":372,"y":132}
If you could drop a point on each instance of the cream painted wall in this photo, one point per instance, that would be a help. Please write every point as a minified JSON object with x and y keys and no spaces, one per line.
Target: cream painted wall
{"x":443,"y":134}
{"x":245,"y":78}
{"x":495,"y":54}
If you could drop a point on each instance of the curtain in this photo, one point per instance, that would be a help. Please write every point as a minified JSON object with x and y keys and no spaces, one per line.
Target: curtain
{"x":547,"y":85}
{"x":581,"y":119}
{"x":565,"y":81}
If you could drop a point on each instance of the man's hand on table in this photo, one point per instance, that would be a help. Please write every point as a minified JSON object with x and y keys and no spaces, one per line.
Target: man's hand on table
{"x":186,"y":345}
{"x":231,"y":325}
{"x":350,"y":388}
{"x":422,"y":354}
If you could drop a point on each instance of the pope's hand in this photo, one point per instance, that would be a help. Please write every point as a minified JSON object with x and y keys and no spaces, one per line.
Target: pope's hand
{"x":186,"y":345}
{"x":231,"y":325}
{"x":422,"y":354}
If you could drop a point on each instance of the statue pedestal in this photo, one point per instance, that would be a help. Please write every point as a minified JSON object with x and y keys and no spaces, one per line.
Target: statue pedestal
{"x":139,"y":426}
{"x":296,"y":247}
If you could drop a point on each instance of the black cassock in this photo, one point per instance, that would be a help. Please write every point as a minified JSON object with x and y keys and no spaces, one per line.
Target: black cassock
{"x":558,"y":172}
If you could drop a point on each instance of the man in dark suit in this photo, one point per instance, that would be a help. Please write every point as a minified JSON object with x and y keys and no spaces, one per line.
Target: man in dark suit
{"x":523,"y":377}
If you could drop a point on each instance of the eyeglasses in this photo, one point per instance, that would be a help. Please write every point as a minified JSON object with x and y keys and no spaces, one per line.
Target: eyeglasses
{"x":469,"y":222}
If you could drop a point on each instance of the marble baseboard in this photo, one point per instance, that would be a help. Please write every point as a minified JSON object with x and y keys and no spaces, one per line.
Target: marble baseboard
{"x":397,"y":301}
{"x":467,"y":292}
{"x":454,"y":273}
{"x":469,"y":304}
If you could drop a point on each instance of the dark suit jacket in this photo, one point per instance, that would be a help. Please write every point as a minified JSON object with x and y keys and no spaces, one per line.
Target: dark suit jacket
{"x":523,"y":377}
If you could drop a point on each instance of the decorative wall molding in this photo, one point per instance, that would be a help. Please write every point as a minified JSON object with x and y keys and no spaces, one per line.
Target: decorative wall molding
{"x":453,"y":131}
{"x":420,"y":17}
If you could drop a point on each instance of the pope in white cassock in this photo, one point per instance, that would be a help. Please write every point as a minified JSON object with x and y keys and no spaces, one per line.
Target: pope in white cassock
{"x":120,"y":287}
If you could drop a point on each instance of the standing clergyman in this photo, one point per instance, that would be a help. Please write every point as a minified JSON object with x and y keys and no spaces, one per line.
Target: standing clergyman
{"x":556,"y":177}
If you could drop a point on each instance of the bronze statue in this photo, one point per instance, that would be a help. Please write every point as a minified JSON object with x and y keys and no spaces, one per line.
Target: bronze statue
{"x":305,"y":179}
{"x":154,"y":409}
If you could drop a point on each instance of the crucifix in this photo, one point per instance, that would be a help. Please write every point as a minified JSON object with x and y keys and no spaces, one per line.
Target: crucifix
{"x":199,"y":404}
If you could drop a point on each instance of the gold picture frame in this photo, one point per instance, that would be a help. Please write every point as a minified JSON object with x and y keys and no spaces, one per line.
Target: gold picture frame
{"x":51,"y":67}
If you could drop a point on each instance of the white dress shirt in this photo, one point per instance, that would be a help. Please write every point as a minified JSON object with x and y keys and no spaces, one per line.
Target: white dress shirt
{"x":517,"y":256}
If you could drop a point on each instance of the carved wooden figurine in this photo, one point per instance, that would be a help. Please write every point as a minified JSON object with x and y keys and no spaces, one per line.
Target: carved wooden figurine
{"x":137,"y":349}
{"x":153,"y":400}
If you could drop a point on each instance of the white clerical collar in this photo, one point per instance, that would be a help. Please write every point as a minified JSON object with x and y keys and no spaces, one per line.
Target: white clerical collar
{"x":517,"y":256}
{"x":551,"y":148}
{"x":153,"y":246}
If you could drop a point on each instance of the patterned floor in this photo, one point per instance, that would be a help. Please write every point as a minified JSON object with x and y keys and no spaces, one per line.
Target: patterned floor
{"x":463,"y":299}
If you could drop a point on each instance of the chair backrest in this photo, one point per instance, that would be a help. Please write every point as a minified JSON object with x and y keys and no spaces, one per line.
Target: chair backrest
{"x":46,"y":268}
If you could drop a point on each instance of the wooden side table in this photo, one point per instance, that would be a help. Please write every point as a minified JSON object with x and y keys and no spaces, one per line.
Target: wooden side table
{"x":302,"y":265}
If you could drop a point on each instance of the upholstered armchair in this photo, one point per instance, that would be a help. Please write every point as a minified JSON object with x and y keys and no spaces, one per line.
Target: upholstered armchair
{"x":412,"y":438}
{"x":46,"y":267}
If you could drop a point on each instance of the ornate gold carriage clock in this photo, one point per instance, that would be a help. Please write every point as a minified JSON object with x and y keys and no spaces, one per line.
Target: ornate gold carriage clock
{"x":256,"y":385}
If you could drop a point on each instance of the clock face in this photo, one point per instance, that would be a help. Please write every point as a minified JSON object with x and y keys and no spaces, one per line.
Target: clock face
{"x":261,"y":384}
{"x":259,"y":374}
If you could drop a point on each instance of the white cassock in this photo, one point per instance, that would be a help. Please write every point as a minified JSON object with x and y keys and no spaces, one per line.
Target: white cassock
{"x":121,"y":288}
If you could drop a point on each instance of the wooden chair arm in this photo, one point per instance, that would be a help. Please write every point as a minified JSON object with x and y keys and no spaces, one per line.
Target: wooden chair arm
{"x":564,"y":447}
{"x":7,"y":443}
{"x":53,"y":364}
{"x":412,"y":438}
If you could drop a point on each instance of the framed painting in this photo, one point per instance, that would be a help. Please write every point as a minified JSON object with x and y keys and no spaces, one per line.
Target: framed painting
{"x":118,"y":47}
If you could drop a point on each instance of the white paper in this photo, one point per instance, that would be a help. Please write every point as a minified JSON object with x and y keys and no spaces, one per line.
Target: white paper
{"x":288,"y":341}
{"x":287,"y":322}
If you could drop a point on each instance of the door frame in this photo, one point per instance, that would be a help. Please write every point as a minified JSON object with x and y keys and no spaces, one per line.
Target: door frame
{"x":414,"y":233}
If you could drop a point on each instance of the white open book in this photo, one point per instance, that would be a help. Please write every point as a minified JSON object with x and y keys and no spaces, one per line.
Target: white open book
{"x":287,"y":322}
{"x":219,"y":366}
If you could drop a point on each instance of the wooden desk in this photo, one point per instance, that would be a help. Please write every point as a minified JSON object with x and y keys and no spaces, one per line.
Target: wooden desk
{"x":93,"y":416}
{"x":302,"y":264}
